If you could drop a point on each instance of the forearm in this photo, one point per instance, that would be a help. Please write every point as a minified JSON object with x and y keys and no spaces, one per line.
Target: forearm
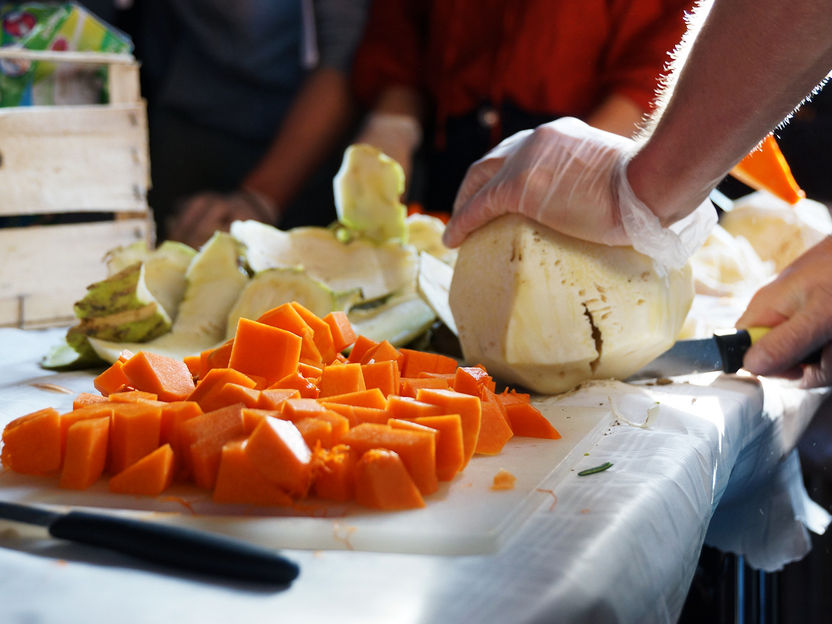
{"x":752,"y":62}
{"x":318,"y":118}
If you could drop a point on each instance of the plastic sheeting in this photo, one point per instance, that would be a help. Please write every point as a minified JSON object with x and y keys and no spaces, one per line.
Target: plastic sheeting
{"x":706,"y":458}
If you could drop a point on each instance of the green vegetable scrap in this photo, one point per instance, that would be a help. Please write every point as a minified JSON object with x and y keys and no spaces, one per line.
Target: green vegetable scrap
{"x":594,"y":470}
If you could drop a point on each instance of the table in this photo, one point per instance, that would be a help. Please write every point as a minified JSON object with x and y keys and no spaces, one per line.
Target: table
{"x":707,"y":458}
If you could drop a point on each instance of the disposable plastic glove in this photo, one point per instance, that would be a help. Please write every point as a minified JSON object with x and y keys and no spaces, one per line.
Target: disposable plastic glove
{"x":571,"y":178}
{"x":796,"y":305}
{"x":201,"y":215}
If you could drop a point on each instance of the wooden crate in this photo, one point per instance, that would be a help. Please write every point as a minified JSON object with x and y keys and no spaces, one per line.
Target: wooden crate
{"x":87,"y":163}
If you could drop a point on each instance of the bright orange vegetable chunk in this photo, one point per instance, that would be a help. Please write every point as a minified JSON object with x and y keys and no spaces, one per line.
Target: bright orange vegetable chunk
{"x":86,"y":453}
{"x":416,"y":448}
{"x":280,"y":453}
{"x":343,"y":334}
{"x":526,"y":420}
{"x":208,"y":392}
{"x":383,"y":482}
{"x":383,"y":375}
{"x":495,"y":430}
{"x":149,"y":476}
{"x":134,"y":432}
{"x":469,"y":409}
{"x":321,"y":333}
{"x":336,"y":478}
{"x":32,"y":443}
{"x":203,"y":437}
{"x":450,"y":453}
{"x":341,"y":379}
{"x":416,"y":362}
{"x":263,"y":350}
{"x":165,"y":376}
{"x":112,"y":379}
{"x":239,"y":481}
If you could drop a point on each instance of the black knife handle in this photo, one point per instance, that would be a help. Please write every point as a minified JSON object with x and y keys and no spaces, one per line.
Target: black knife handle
{"x":733,"y":344}
{"x":176,"y":546}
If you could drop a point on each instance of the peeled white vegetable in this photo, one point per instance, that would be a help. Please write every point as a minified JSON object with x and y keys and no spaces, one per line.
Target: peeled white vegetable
{"x":547,"y":311}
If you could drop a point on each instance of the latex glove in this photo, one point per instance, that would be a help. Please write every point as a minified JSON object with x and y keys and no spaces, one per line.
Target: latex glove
{"x":396,"y":135}
{"x":571,"y":177}
{"x":797,"y":305}
{"x":201,"y":215}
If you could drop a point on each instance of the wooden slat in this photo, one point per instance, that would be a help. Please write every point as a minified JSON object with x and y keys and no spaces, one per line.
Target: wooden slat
{"x":123,"y":84}
{"x":45,"y":269}
{"x":70,"y":159}
{"x":69,"y":56}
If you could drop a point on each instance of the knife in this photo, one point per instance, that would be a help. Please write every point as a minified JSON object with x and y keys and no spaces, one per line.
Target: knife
{"x":160,"y":543}
{"x":724,"y":351}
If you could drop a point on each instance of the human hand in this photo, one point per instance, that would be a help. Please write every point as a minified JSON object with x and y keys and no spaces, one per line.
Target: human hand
{"x":797,"y":305}
{"x":572,"y":178}
{"x":201,"y":215}
{"x":396,"y":135}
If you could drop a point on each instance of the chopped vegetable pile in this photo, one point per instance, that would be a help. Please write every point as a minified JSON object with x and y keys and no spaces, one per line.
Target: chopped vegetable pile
{"x":276,"y":414}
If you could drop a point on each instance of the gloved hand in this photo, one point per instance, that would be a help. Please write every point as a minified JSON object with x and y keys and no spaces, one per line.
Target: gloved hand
{"x":201,"y":215}
{"x":396,"y":135}
{"x":796,"y":305}
{"x":571,"y":177}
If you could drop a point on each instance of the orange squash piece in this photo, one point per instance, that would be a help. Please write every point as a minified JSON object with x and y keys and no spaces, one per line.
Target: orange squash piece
{"x":321,"y":333}
{"x":371,"y":397}
{"x":210,"y":386}
{"x":416,"y":448}
{"x":470,"y":379}
{"x":239,"y":481}
{"x":383,"y":482}
{"x":149,"y":476}
{"x":203,"y":437}
{"x":450,"y":453}
{"x":165,"y":376}
{"x":263,"y":350}
{"x":495,"y":429}
{"x":111,"y":379}
{"x":408,"y":408}
{"x":297,"y":381}
{"x":93,"y":410}
{"x":526,"y":420}
{"x":382,"y":352}
{"x":469,"y":409}
{"x":361,"y":345}
{"x":134,"y":432}
{"x":232,"y":393}
{"x":32,"y":443}
{"x":315,"y":432}
{"x":218,"y":357}
{"x":86,"y":453}
{"x":252,"y":417}
{"x":335,"y":480}
{"x":765,"y":168}
{"x":286,"y":317}
{"x":410,"y":386}
{"x":87,"y":398}
{"x":295,"y":409}
{"x":280,"y":453}
{"x":416,"y":362}
{"x":341,"y":379}
{"x":134,"y":396}
{"x":273,"y":398}
{"x":194,"y":364}
{"x":343,"y":334}
{"x":174,"y":415}
{"x":357,"y":414}
{"x":383,"y":375}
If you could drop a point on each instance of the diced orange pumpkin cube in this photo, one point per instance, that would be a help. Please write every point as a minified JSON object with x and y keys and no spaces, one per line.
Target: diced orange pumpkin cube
{"x":359,"y":348}
{"x":416,"y":362}
{"x":32,"y":443}
{"x":383,"y":482}
{"x":210,"y":386}
{"x":341,"y":379}
{"x":149,"y":476}
{"x":87,"y":398}
{"x":410,"y":386}
{"x":469,"y":379}
{"x":408,"y":408}
{"x":134,"y":432}
{"x":371,"y":397}
{"x":273,"y":398}
{"x":495,"y":430}
{"x":111,"y":379}
{"x":239,"y":481}
{"x":357,"y":414}
{"x":383,"y":375}
{"x":416,"y":448}
{"x":343,"y":334}
{"x":86,"y":453}
{"x":322,"y":334}
{"x":450,"y":453}
{"x":469,"y":409}
{"x":280,"y":453}
{"x":263,"y":350}
{"x":164,"y":376}
{"x":526,"y":420}
{"x":297,"y":381}
{"x":203,"y":437}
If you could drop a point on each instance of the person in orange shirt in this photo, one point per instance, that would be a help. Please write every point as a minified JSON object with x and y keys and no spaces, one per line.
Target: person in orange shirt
{"x":465,"y":74}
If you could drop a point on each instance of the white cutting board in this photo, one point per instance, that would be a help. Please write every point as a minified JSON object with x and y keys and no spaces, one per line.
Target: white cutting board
{"x":464,"y":517}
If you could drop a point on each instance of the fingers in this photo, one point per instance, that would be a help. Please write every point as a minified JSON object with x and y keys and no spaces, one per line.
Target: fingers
{"x":472,"y":207}
{"x":818,"y":375}
{"x":786,"y":344}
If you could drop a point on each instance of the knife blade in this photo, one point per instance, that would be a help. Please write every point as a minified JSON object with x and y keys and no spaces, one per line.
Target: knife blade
{"x":174,"y":546}
{"x":724,"y":351}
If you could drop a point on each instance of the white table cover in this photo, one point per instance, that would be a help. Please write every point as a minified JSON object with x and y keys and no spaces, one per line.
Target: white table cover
{"x":707,"y":458}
